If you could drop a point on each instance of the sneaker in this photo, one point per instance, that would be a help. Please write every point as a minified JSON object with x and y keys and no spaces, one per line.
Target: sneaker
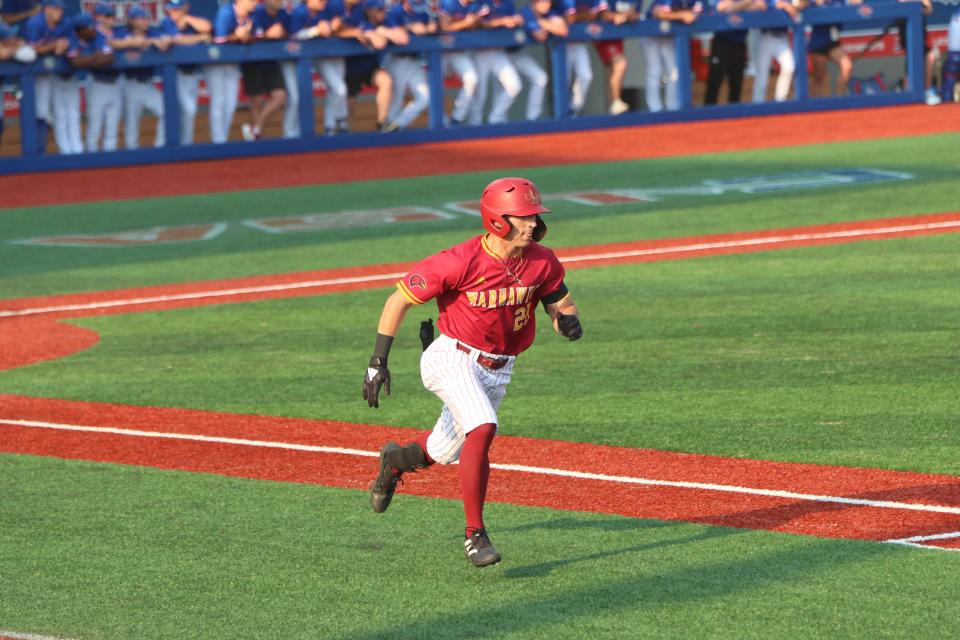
{"x":343,"y":126}
{"x":932,"y":98}
{"x":389,"y":127}
{"x":479,"y":550}
{"x":619,"y":106}
{"x":385,"y":484}
{"x":247,"y":131}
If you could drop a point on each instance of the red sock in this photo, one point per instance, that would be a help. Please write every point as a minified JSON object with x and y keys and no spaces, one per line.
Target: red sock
{"x":474,"y":473}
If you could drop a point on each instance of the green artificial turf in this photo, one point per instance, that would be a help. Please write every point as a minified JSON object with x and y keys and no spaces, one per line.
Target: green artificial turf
{"x":126,"y":552}
{"x":27,"y":270}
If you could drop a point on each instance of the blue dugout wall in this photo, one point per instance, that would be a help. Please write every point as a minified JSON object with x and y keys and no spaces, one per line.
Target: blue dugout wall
{"x":432,"y":48}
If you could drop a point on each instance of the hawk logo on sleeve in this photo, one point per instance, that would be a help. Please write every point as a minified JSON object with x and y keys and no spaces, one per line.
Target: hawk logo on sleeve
{"x":416,"y":280}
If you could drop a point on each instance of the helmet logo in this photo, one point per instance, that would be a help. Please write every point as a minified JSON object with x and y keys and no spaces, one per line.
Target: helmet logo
{"x":416,"y":280}
{"x":532,"y":196}
{"x":497,"y":224}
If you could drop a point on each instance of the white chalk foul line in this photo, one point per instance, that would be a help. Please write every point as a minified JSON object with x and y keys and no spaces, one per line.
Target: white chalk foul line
{"x":917,"y":541}
{"x":16,"y":635}
{"x":689,"y":248}
{"x":771,"y":493}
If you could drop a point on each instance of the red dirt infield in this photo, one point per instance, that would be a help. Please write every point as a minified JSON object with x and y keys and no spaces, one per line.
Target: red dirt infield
{"x":811,"y":507}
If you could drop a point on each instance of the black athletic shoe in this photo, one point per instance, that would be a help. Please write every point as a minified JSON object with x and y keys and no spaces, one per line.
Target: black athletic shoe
{"x":479,"y":550}
{"x":383,"y":487}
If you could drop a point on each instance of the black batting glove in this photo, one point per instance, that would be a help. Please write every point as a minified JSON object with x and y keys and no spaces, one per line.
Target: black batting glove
{"x":569,"y":326}
{"x":377,"y":376}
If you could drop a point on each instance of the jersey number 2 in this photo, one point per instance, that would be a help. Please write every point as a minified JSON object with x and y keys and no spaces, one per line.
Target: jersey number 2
{"x":521,"y":317}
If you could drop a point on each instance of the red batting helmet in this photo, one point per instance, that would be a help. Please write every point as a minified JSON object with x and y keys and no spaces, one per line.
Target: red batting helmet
{"x":511,"y":197}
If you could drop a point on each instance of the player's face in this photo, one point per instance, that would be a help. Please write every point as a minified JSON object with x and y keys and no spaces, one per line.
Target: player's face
{"x":140,"y":25}
{"x":53,"y":14}
{"x":521,"y":230}
{"x":541,"y":6}
{"x":273,"y":5}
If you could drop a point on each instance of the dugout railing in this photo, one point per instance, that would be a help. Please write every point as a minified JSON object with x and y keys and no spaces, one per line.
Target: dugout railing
{"x":432,"y":47}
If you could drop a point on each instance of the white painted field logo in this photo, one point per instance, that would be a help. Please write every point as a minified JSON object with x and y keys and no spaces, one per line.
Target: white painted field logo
{"x":155,"y":235}
{"x":346,"y":219}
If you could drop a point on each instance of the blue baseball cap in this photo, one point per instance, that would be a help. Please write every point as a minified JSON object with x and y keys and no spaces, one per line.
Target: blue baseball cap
{"x":104,"y":9}
{"x":58,"y":4}
{"x":137,"y":12}
{"x":373,"y":4}
{"x":176,"y":4}
{"x":82,"y":21}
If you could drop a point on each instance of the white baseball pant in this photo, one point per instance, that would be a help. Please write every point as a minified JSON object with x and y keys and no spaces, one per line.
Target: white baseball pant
{"x":772,"y":46}
{"x":223,"y":83}
{"x":496,"y":63}
{"x":104,"y":102}
{"x":188,"y":96}
{"x":291,"y":115}
{"x":537,"y":79}
{"x":471,"y":394}
{"x":58,"y":103}
{"x":661,"y":61}
{"x":579,"y":74}
{"x":408,"y":76}
{"x":460,"y":63}
{"x":334,"y":71}
{"x":137,"y":96}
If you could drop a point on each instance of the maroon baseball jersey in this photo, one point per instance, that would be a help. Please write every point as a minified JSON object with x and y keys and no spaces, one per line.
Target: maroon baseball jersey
{"x":486,"y":301}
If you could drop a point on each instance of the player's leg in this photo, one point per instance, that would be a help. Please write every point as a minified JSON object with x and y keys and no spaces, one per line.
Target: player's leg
{"x":153,"y":102}
{"x":784,"y":55}
{"x":483,"y":63}
{"x":231,"y":97}
{"x":383,"y":82}
{"x":43,"y":86}
{"x":536,"y":82}
{"x":653,"y":76}
{"x":718,"y":67}
{"x":96,"y":104}
{"x":59,"y":113}
{"x":735,"y":71}
{"x":951,"y":75}
{"x":668,"y":56}
{"x":132,"y":110}
{"x":462,"y":65}
{"x":333,"y":71}
{"x":111,"y":117}
{"x":761,"y":65}
{"x":845,"y":69}
{"x":415,"y":79}
{"x":584,"y":77}
{"x":217,"y":88}
{"x":509,"y":85}
{"x":818,"y":74}
{"x":188,"y":94}
{"x":291,"y":116}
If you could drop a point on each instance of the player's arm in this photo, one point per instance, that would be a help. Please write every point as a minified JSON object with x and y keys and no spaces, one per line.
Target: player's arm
{"x":564,"y":313}
{"x":378,"y":375}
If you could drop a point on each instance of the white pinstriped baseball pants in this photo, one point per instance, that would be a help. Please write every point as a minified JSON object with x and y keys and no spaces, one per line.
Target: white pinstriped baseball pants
{"x":471,"y":394}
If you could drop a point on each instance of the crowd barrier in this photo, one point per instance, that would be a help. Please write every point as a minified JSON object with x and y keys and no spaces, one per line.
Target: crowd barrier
{"x":432,"y":47}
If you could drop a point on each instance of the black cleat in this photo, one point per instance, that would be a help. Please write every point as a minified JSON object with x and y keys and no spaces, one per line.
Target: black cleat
{"x":479,"y":550}
{"x":383,"y":487}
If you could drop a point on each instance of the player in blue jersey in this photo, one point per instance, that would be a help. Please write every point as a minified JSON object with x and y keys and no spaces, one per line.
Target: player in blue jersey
{"x":320,"y":19}
{"x":496,"y":63}
{"x":824,"y":47}
{"x":89,"y":50}
{"x":406,"y":69}
{"x":185,"y":29}
{"x":540,"y":21}
{"x":139,"y":92}
{"x":579,"y":69}
{"x":728,"y":53}
{"x":365,"y":21}
{"x":659,"y":53}
{"x":15,"y":13}
{"x":456,"y":16}
{"x":774,"y":44}
{"x":57,"y":96}
{"x":234,"y":24}
{"x":263,"y":79}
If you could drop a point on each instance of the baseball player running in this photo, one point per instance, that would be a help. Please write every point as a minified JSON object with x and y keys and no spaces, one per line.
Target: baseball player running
{"x":487,"y":289}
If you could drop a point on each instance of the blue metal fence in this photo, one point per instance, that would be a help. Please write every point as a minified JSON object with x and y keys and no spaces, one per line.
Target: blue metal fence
{"x":433,"y":47}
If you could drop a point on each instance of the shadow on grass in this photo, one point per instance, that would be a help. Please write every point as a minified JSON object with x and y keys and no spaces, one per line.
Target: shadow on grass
{"x":693,"y":582}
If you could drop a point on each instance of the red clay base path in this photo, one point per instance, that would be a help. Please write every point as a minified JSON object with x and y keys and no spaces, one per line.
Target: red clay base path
{"x":824,"y":501}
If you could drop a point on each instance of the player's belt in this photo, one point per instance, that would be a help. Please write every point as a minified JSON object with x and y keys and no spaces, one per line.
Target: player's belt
{"x":484,"y":361}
